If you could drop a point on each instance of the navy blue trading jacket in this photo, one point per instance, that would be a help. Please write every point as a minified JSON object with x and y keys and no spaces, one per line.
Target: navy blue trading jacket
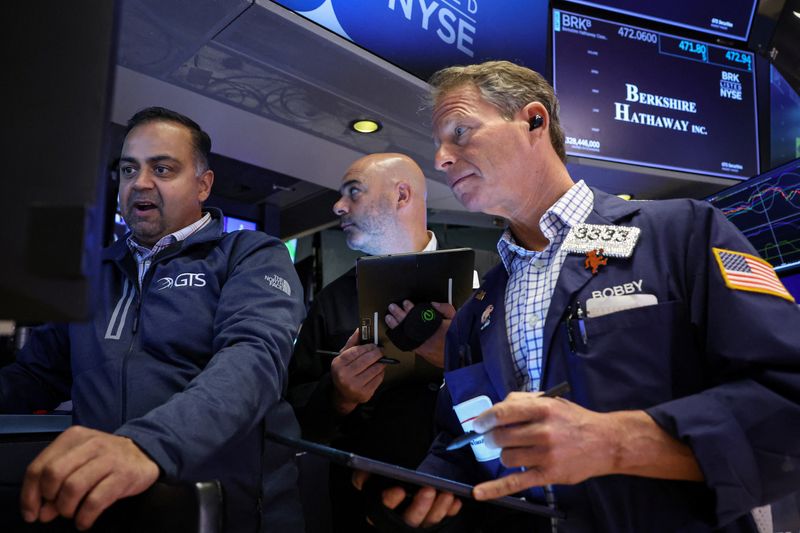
{"x":717,"y":368}
{"x":192,"y":368}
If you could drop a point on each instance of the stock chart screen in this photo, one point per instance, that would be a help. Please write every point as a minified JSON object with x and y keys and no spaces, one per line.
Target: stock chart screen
{"x":632,"y":95}
{"x":766,"y":209}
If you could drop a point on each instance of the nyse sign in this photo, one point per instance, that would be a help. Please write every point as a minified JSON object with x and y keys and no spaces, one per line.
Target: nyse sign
{"x":451,"y":21}
{"x":422,"y":36}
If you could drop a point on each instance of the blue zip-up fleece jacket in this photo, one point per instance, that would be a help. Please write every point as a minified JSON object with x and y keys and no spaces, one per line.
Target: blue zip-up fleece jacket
{"x":192,"y":367}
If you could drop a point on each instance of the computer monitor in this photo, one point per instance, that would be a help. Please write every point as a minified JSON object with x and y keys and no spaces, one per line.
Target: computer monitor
{"x":634,"y":95}
{"x":792,"y":283}
{"x":766,"y":208}
{"x":291,"y":245}
{"x":237,"y":224}
{"x":726,"y":18}
{"x":784,"y":115}
{"x":52,"y":204}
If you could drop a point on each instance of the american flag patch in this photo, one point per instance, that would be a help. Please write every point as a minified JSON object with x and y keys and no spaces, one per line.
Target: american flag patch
{"x":747,"y":272}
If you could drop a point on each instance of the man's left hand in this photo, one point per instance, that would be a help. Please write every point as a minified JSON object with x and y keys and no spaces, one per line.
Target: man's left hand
{"x":81,"y":474}
{"x":560,"y":442}
{"x":432,"y":350}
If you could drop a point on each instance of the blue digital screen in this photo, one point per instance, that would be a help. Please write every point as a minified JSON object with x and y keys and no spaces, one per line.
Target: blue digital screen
{"x":766,"y":209}
{"x":792,"y":284}
{"x":120,"y":227}
{"x":633,"y":95}
{"x":728,"y":18}
{"x":422,"y":36}
{"x":235,"y":224}
{"x":784,"y":114}
{"x":291,"y":245}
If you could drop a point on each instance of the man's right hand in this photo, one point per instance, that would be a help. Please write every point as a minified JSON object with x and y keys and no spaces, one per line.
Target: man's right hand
{"x":81,"y":473}
{"x":427,"y":508}
{"x":356,"y":374}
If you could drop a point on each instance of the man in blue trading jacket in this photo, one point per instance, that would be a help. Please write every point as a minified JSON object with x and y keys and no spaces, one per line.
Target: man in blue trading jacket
{"x":183,"y":366}
{"x":681,"y":347}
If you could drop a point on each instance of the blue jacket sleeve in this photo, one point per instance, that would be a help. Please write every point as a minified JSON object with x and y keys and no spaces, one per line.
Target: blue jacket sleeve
{"x":41,"y":377}
{"x":744,"y":429}
{"x":257,"y":317}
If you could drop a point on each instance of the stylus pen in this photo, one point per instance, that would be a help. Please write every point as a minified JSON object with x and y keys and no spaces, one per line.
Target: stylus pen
{"x":384,"y":360}
{"x":462,"y":440}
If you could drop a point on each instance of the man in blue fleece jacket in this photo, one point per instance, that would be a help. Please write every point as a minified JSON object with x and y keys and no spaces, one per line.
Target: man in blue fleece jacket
{"x":184,"y":364}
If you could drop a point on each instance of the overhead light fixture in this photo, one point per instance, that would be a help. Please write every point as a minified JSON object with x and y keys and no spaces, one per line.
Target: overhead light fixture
{"x":625,"y":196}
{"x":365,"y":125}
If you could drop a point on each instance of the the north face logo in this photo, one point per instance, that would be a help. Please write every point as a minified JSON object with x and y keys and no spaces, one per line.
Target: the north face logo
{"x":187,"y":279}
{"x":279,"y":283}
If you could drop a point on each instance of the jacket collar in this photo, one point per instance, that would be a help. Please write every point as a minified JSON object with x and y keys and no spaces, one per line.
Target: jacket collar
{"x":492,"y":336}
{"x":607,"y":209}
{"x":213,"y":231}
{"x":610,"y":209}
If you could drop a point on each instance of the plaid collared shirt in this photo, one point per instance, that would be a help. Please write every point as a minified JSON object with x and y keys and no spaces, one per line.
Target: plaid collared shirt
{"x":144,"y":256}
{"x":532,"y":279}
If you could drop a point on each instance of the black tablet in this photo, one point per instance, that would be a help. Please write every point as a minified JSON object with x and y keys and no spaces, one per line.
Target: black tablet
{"x":444,"y":276}
{"x":408,"y":476}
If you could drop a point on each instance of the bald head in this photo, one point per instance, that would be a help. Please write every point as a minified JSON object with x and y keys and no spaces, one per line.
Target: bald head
{"x":382,"y":204}
{"x":389,"y":169}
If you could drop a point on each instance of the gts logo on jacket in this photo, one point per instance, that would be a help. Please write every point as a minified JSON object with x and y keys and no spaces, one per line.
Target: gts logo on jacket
{"x":187,"y":279}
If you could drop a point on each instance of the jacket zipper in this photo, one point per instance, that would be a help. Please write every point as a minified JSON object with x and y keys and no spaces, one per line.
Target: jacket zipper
{"x":135,"y":329}
{"x":123,"y":377}
{"x":134,"y":332}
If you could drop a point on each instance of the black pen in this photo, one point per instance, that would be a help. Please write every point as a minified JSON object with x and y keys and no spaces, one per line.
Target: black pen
{"x":462,"y":440}
{"x":384,"y":360}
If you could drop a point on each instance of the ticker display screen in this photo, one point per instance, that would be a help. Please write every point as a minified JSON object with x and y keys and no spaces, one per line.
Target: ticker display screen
{"x":633,"y":95}
{"x":729,"y":18}
{"x":766,"y":209}
{"x":422,"y":36}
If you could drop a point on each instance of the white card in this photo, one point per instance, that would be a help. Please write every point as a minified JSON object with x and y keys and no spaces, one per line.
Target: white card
{"x":467,"y":412}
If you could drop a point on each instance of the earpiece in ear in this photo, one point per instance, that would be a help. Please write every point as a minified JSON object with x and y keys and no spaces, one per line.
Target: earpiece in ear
{"x":535,"y":122}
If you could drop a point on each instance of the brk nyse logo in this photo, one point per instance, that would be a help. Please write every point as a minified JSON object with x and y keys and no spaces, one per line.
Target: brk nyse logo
{"x":730,"y":86}
{"x":277,"y":282}
{"x":187,"y":279}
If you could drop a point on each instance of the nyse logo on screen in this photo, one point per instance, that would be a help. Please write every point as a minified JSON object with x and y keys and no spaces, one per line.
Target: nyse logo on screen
{"x":452,"y":20}
{"x":730,"y":86}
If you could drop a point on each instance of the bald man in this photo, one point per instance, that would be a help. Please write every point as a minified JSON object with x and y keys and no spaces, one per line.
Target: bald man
{"x":382,"y":208}
{"x":338,"y":400}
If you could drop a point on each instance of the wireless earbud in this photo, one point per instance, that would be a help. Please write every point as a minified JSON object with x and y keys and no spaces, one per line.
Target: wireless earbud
{"x":535,"y":122}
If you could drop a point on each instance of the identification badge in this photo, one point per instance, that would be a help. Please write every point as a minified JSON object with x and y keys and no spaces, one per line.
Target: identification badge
{"x":615,"y":241}
{"x":596,"y":307}
{"x":467,"y":412}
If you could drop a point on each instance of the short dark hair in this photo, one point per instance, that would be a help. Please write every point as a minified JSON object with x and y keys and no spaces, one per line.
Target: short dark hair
{"x":201,"y":142}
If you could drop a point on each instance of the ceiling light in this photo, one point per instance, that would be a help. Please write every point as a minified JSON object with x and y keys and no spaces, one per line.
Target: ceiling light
{"x":365,"y":125}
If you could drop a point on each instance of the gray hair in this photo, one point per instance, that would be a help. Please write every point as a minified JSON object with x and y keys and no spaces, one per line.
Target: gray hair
{"x":508,"y":87}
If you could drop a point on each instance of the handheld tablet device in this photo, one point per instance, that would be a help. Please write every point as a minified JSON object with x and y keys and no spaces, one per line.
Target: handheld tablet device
{"x":440,"y":276}
{"x":408,"y":476}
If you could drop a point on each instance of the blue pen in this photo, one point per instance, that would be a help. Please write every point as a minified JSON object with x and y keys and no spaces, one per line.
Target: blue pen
{"x":582,"y":326}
